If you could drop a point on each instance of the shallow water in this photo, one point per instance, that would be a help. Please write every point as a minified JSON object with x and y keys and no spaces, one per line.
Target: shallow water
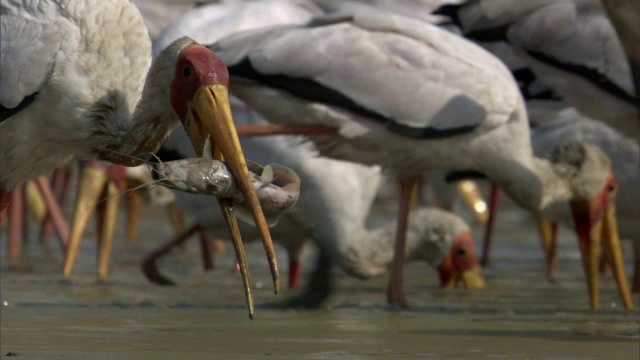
{"x":520,"y":315}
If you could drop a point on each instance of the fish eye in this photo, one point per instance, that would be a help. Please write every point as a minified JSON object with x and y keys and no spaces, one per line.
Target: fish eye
{"x":187,"y":71}
{"x":461,"y":252}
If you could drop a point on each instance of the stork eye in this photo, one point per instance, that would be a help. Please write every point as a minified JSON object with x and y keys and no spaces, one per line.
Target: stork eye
{"x":187,"y":71}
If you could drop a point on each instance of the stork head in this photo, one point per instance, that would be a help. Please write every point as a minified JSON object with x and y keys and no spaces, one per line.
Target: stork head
{"x":587,"y":171}
{"x":445,"y":242}
{"x":460,"y":264}
{"x":199,"y":97}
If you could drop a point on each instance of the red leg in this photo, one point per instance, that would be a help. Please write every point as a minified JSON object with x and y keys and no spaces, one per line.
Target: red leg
{"x":493,"y":211}
{"x":395,"y":289}
{"x":295,"y":272}
{"x":5,"y":200}
{"x":205,"y":241}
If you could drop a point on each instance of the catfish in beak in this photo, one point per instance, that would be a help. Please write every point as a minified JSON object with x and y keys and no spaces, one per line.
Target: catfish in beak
{"x":200,"y":98}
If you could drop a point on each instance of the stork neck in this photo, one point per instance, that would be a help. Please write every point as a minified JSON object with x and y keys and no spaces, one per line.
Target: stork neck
{"x":128,"y":140}
{"x":369,"y":253}
{"x":534,"y":186}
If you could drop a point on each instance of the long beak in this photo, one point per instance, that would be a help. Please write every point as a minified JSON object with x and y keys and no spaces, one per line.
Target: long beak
{"x":473,"y":199}
{"x":209,"y":116}
{"x":548,"y":237}
{"x":461,"y":264}
{"x":596,"y":225}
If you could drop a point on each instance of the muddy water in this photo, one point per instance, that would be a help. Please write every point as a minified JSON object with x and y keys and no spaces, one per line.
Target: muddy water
{"x":521,"y":315}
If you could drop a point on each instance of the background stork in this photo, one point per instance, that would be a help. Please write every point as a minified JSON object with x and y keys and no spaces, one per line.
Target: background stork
{"x":570,"y":45}
{"x":566,"y":125}
{"x":409,"y":96}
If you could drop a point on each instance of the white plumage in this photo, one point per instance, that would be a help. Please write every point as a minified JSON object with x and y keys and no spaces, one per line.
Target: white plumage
{"x":408,"y":96}
{"x":570,"y":45}
{"x":53,"y":49}
{"x":72,"y":77}
{"x":208,"y":23}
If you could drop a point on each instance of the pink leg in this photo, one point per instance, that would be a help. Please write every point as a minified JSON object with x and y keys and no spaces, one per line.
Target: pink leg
{"x":59,"y":222}
{"x":60,"y":184}
{"x":493,"y":211}
{"x":16,"y":220}
{"x":395,"y":289}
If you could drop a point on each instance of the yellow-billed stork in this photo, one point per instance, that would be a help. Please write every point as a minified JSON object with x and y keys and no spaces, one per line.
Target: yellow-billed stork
{"x":409,"y":96}
{"x":566,"y":125}
{"x":73,"y":85}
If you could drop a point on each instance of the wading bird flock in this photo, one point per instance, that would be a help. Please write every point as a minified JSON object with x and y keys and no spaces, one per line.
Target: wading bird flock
{"x":339,"y":92}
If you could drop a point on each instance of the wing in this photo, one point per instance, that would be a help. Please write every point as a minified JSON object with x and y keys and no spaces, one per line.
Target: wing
{"x":578,"y":38}
{"x":574,"y":36}
{"x":418,"y":80}
{"x":35,"y":36}
{"x":230,"y":17}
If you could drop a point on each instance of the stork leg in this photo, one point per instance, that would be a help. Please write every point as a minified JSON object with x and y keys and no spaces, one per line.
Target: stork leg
{"x":295,"y":263}
{"x":16,"y":220}
{"x":53,"y":208}
{"x":5,"y":200}
{"x":488,"y":234}
{"x":92,"y":183}
{"x":295,"y":271}
{"x":134,"y":209}
{"x":277,"y":129}
{"x":108,"y":222}
{"x":60,"y":184}
{"x":176,"y":217}
{"x":395,"y":289}
{"x":636,"y":266}
{"x":150,"y":268}
{"x":320,"y":284}
{"x":548,"y":236}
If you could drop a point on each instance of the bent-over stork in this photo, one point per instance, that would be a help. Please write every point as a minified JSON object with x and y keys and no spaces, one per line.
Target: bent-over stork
{"x":410,"y":96}
{"x":73,"y":85}
{"x":567,"y":125}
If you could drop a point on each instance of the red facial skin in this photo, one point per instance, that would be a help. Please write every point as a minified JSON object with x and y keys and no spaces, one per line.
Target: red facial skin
{"x":197,"y":66}
{"x":461,"y":258}
{"x":585,"y":217}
